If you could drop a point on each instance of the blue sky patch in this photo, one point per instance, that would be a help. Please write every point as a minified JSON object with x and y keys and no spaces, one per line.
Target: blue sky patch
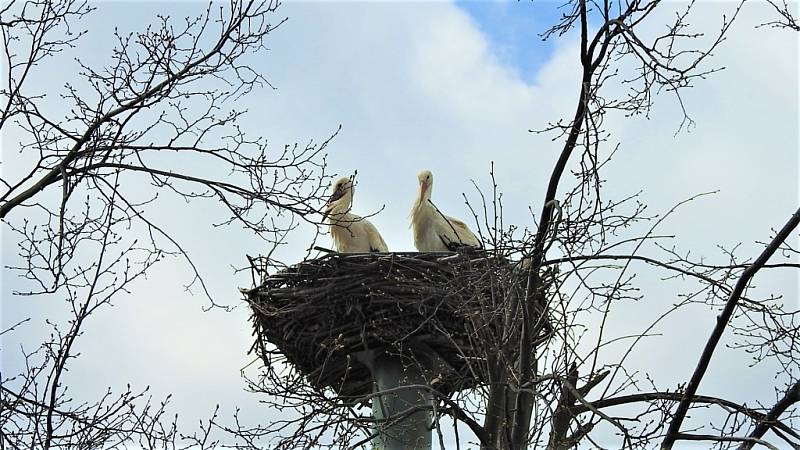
{"x":513,"y":30}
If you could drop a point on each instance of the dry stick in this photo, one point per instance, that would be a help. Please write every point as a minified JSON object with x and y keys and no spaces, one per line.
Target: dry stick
{"x":579,"y":397}
{"x":675,"y":397}
{"x":64,"y":351}
{"x":711,"y":437}
{"x":719,"y":328}
{"x":792,"y":396}
{"x":538,"y":253}
{"x":137,"y":102}
{"x":520,"y":430}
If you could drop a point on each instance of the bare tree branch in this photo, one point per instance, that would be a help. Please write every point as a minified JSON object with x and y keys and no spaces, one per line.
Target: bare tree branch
{"x":722,"y":323}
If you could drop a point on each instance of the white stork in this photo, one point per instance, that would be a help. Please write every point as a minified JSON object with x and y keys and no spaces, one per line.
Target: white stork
{"x":350,"y":233}
{"x":433,"y":231}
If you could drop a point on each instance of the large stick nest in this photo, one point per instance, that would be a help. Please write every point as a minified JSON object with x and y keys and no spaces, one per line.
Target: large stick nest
{"x":320,"y":313}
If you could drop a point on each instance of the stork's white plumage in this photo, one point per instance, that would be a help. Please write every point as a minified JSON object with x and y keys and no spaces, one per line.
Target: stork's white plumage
{"x":350,"y":233}
{"x":434,"y":231}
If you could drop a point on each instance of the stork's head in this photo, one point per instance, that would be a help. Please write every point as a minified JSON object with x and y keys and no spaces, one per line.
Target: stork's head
{"x":342,"y":187}
{"x":425,"y":183}
{"x":341,"y":196}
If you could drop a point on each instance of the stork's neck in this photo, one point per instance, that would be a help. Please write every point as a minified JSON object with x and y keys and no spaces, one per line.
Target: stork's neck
{"x":423,"y":203}
{"x":421,"y":216}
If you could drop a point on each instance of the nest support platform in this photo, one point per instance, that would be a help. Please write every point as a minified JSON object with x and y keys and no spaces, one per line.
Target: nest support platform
{"x":324,"y":316}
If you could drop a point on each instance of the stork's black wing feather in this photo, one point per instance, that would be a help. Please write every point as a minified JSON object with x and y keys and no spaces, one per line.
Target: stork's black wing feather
{"x":454,"y":246}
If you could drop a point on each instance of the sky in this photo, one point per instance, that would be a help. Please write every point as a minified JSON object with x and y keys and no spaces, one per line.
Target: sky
{"x":513,"y":32}
{"x":449,"y":87}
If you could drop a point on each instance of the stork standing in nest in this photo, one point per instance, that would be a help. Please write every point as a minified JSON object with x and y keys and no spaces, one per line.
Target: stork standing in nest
{"x":350,"y":233}
{"x":434,"y":231}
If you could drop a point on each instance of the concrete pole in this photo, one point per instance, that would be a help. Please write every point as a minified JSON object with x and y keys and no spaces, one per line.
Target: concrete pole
{"x":390,"y":372}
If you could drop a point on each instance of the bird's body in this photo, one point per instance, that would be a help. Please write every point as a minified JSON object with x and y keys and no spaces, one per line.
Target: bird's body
{"x":434,"y":231}
{"x":350,"y":233}
{"x":354,"y":234}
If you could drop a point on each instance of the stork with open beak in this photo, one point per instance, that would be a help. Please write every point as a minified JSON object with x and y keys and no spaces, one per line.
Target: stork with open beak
{"x":350,"y":233}
{"x":434,"y":231}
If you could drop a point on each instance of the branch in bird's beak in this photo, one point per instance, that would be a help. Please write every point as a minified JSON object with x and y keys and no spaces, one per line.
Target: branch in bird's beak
{"x":339,"y":193}
{"x":336,"y":196}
